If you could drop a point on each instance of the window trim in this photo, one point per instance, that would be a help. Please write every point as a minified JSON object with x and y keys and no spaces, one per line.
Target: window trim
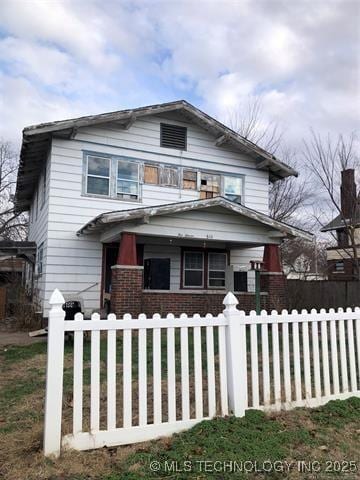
{"x":125,"y":180}
{"x":192,"y":287}
{"x":40,"y":249}
{"x":87,"y":175}
{"x":242,"y":194}
{"x":205,"y":252}
{"x":212,"y":270}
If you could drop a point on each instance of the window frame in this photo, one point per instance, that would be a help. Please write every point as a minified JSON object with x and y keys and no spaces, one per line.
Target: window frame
{"x":87,"y":175}
{"x":40,"y":259}
{"x":209,"y":253}
{"x":242,"y":178}
{"x":126,"y":180}
{"x":183,"y":270}
{"x":205,"y":252}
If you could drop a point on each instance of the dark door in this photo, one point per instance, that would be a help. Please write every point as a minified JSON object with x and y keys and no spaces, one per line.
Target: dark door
{"x":157,"y":273}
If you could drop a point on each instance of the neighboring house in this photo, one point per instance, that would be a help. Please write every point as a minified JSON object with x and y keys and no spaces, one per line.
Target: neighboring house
{"x":156,"y":209}
{"x":340,"y":257}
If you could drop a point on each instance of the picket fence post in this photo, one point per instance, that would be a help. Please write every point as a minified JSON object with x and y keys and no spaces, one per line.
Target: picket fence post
{"x":236,"y":356}
{"x":54,"y":376}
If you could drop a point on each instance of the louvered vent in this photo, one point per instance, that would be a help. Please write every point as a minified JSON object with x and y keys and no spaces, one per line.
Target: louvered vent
{"x":172,"y":136}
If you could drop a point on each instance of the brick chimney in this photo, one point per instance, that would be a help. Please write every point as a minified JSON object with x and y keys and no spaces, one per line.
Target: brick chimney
{"x":348,"y":192}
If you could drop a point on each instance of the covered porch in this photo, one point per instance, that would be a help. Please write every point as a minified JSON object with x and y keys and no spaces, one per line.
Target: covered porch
{"x":184,"y":257}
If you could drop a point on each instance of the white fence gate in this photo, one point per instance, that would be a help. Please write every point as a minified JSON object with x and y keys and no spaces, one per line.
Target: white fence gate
{"x":163,"y":375}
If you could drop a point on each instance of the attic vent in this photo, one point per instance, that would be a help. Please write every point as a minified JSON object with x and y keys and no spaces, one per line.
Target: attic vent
{"x":173,"y":136}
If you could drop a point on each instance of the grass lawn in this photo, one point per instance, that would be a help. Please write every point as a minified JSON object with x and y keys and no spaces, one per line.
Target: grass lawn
{"x":327,"y":434}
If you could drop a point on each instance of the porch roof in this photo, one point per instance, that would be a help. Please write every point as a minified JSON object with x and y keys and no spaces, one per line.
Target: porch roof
{"x":104,"y":220}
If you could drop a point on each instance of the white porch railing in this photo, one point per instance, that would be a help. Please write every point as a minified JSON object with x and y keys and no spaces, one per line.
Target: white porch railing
{"x":163,"y":375}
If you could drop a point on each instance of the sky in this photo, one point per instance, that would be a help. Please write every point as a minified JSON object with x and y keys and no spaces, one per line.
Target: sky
{"x":61,"y":59}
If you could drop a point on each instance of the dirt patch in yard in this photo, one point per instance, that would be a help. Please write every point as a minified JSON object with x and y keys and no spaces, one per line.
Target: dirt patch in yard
{"x":18,"y":338}
{"x":329,"y":433}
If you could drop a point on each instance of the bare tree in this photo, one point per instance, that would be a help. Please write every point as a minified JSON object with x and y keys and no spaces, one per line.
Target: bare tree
{"x":304,"y":258}
{"x":287,"y":196}
{"x":325,"y":158}
{"x":13,"y":224}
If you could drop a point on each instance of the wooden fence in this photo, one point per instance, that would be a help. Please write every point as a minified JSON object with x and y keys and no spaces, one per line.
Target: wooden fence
{"x":323,"y":294}
{"x":164,"y":375}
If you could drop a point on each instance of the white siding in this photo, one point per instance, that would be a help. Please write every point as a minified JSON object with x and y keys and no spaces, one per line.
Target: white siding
{"x":38,"y":227}
{"x":74,"y":264}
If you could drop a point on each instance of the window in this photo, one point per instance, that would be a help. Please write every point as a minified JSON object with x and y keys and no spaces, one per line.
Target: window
{"x":127,"y":180}
{"x":240,"y":282}
{"x":39,"y":258}
{"x":209,"y":185}
{"x":173,"y":136}
{"x":216,"y":269}
{"x":233,"y":188}
{"x":151,"y":174}
{"x":98,"y":175}
{"x":169,"y":176}
{"x":342,"y":237}
{"x":190,"y":179}
{"x":339,"y":266}
{"x":193,"y":269}
{"x":157,"y":273}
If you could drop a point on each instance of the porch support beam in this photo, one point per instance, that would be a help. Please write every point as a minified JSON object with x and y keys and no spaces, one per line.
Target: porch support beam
{"x":127,"y":254}
{"x":272,"y":261}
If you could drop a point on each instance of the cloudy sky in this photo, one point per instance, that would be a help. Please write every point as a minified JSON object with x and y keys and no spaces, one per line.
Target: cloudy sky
{"x":66,"y":58}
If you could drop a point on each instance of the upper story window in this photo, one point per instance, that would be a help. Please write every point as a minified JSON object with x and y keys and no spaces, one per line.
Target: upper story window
{"x":98,"y":175}
{"x":233,"y":187}
{"x":128,"y":182}
{"x":173,"y":136}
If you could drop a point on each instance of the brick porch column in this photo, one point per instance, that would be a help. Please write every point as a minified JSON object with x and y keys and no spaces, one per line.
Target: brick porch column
{"x":273,"y":279}
{"x":127,"y":278}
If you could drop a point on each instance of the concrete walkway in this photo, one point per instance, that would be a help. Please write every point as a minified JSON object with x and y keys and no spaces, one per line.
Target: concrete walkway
{"x":18,"y":338}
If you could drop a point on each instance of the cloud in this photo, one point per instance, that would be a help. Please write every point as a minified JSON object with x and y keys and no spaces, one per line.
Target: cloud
{"x":62,"y":58}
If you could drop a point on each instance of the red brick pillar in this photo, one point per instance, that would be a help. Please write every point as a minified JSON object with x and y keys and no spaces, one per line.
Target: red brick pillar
{"x":127,"y":279}
{"x":273,"y":279}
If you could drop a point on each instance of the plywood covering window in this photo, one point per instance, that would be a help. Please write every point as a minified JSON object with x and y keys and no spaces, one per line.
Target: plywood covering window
{"x":209,"y":185}
{"x":190,"y":179}
{"x":169,"y":176}
{"x":151,"y":174}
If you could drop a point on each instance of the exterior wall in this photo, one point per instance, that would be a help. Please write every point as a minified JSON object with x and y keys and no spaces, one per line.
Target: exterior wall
{"x":73,"y":264}
{"x":347,"y":274}
{"x":38,"y":228}
{"x":192,"y":303}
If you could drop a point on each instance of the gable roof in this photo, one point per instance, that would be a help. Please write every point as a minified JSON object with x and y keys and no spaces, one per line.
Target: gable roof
{"x":118,"y":216}
{"x":36,"y":142}
{"x":339,"y":223}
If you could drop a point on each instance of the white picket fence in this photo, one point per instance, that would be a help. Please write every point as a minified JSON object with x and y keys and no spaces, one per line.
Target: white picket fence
{"x":163,"y":375}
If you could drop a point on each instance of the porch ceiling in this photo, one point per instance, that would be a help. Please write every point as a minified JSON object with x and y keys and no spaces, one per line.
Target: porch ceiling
{"x":166,"y":220}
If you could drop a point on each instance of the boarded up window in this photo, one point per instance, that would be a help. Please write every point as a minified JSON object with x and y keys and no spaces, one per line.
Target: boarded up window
{"x":151,"y":174}
{"x":209,"y":185}
{"x":169,"y":177}
{"x":190,"y":179}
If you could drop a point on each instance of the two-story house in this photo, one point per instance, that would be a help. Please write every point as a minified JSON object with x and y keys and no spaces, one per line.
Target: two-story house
{"x":155,"y":209}
{"x":342,"y":258}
